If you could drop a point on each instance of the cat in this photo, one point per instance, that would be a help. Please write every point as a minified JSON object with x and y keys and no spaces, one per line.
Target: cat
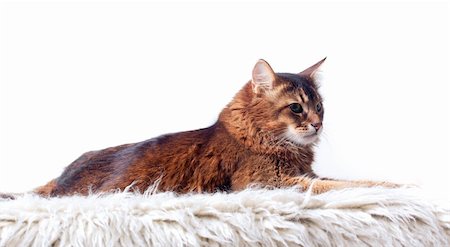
{"x":264,"y":136}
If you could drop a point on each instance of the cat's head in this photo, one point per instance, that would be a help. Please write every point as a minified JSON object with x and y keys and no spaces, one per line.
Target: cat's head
{"x":279,"y":108}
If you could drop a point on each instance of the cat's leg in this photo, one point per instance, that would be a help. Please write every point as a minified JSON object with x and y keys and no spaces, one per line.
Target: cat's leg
{"x":318,"y":185}
{"x":47,"y":189}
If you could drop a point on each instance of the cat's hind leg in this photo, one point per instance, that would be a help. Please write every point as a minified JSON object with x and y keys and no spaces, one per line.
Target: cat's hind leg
{"x":47,"y":189}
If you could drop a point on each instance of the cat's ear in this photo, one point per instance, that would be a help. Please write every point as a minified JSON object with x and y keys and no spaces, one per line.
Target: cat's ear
{"x":311,"y":71}
{"x":263,"y":76}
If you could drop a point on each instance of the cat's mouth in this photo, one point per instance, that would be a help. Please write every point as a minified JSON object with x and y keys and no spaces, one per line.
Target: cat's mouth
{"x":300,"y":138}
{"x":310,"y":138}
{"x":312,"y":135}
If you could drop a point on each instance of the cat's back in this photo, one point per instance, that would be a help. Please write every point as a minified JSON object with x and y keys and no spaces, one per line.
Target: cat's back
{"x":92,"y":169}
{"x":140,"y":163}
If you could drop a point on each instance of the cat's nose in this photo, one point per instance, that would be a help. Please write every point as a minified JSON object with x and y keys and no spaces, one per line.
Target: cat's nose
{"x":317,"y":126}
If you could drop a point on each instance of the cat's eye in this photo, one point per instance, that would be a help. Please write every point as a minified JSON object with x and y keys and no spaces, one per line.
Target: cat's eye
{"x":296,"y":108}
{"x":319,"y":107}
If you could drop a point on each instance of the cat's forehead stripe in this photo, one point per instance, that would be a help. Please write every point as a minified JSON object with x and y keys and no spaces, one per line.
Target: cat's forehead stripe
{"x":303,"y":96}
{"x":307,"y":92}
{"x":281,"y":90}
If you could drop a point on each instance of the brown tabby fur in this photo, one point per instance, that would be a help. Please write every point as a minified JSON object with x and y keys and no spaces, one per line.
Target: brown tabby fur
{"x":243,"y":147}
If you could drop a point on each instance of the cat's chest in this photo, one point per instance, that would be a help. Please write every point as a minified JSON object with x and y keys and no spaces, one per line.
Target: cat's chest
{"x":263,"y":170}
{"x":270,"y":167}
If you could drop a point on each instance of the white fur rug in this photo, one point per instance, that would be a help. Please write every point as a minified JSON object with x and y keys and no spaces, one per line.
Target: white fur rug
{"x":254,"y":217}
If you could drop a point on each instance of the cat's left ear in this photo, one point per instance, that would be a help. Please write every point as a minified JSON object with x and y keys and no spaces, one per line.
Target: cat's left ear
{"x":311,"y":71}
{"x":263,"y":76}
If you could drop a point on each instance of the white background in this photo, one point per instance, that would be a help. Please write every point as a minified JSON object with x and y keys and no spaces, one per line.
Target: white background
{"x":80,"y":76}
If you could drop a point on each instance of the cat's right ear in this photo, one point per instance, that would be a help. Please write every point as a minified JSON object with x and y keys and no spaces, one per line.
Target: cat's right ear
{"x":311,"y":71}
{"x":263,"y":76}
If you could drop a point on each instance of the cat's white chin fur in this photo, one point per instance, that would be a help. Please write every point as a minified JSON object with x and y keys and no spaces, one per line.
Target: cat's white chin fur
{"x":304,"y":139}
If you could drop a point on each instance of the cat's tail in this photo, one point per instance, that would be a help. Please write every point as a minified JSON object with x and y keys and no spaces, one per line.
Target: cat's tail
{"x":45,"y":191}
{"x":9,"y":196}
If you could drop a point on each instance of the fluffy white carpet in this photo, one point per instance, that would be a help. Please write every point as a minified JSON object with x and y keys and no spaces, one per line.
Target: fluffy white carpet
{"x":254,"y":217}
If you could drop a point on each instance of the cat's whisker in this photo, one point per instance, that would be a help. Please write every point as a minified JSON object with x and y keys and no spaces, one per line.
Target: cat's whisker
{"x":324,"y":137}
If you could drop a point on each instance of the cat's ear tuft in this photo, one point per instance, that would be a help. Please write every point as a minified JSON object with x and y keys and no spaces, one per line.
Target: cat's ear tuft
{"x":263,"y":76}
{"x":311,"y":71}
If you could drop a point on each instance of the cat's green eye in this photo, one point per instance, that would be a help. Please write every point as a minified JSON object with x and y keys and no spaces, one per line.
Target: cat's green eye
{"x":296,"y":108}
{"x":319,"y":107}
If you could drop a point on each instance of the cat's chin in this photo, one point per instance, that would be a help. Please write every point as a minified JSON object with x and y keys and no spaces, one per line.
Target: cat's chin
{"x":302,"y":139}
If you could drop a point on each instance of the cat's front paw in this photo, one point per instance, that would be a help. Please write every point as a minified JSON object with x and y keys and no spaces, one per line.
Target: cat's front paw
{"x":364,"y":183}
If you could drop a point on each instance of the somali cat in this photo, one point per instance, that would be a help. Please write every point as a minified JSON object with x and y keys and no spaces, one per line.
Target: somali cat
{"x":264,"y":136}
